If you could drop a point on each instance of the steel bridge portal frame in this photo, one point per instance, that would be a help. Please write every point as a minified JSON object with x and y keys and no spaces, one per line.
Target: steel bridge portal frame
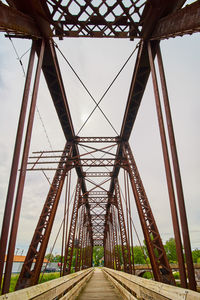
{"x":98,"y":216}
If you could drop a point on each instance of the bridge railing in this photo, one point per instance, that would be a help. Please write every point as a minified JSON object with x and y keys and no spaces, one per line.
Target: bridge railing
{"x":134,"y":287}
{"x":66,"y":287}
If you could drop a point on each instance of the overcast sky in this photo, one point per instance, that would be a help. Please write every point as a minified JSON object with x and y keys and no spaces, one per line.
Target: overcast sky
{"x":97,"y":61}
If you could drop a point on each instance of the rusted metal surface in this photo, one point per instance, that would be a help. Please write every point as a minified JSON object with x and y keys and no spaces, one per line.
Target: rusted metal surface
{"x":15,"y":162}
{"x":184,"y":21}
{"x":160,"y":265}
{"x":124,"y":240}
{"x":178,"y":181}
{"x":72,"y":230}
{"x":18,"y":201}
{"x":101,"y":19}
{"x":98,"y":215}
{"x":168,"y":172}
{"x":31,"y":269}
{"x":15,"y":22}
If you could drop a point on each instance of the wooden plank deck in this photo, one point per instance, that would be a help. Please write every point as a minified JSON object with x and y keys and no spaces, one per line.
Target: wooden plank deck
{"x":99,"y":287}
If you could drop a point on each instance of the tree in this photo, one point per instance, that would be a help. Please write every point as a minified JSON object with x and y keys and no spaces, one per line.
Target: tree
{"x":196,"y":255}
{"x":98,"y":254}
{"x":138,"y":255}
{"x":57,"y":258}
{"x":170,"y":248}
{"x":49,"y":257}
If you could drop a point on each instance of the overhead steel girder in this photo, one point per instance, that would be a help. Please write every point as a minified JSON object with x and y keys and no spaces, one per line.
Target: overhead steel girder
{"x":36,"y":11}
{"x":13,"y":21}
{"x":183,"y":21}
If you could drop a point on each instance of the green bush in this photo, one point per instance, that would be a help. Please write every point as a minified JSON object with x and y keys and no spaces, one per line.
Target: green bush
{"x":176,"y":275}
{"x":147,"y":275}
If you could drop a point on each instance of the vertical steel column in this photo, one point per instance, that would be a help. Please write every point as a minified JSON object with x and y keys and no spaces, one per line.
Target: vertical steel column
{"x":64,"y":224}
{"x":131,"y":232}
{"x":168,"y":172}
{"x":31,"y":268}
{"x":70,"y":243}
{"x":177,"y":174}
{"x":13,"y":235}
{"x":159,"y":262}
{"x":15,"y":162}
{"x":115,"y":239}
{"x":124,"y":240}
{"x":126,"y":204}
{"x":111,"y":247}
{"x":80,"y":238}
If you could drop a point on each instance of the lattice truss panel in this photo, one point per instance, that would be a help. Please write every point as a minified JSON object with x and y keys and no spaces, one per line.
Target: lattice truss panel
{"x":107,"y":18}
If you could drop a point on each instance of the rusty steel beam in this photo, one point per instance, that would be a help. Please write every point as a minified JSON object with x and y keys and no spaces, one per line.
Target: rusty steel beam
{"x":168,"y":172}
{"x":55,"y":84}
{"x":97,"y":174}
{"x":183,"y":21}
{"x":35,"y":10}
{"x":78,"y":139}
{"x":137,"y":88}
{"x":80,"y":240}
{"x":141,"y":71}
{"x":20,"y":189}
{"x":31,"y":269}
{"x":160,"y":265}
{"x":13,"y":21}
{"x":124,"y":239}
{"x":115,"y":239}
{"x":72,"y":230}
{"x":15,"y":162}
{"x":177,"y":175}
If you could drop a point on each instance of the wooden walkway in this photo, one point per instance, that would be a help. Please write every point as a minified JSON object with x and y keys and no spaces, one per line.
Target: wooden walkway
{"x":98,"y":287}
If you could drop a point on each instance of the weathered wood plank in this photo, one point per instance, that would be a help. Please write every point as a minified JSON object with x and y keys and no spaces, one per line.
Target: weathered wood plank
{"x":49,"y":290}
{"x":99,"y":288}
{"x":149,"y":289}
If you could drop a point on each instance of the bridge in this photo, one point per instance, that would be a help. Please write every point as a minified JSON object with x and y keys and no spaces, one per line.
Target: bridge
{"x":107,"y":177}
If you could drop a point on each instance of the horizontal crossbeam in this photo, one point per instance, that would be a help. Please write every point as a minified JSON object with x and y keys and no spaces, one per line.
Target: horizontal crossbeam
{"x":13,"y":21}
{"x":183,"y":21}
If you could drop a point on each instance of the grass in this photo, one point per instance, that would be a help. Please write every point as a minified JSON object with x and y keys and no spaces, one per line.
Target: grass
{"x":46,"y":277}
{"x":49,"y":276}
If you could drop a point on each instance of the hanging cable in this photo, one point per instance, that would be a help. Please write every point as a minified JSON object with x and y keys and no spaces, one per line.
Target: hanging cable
{"x":18,"y":57}
{"x":84,"y":86}
{"x":40,"y":117}
{"x":52,"y":248}
{"x":25,"y":53}
{"x":45,"y":131}
{"x":115,"y":78}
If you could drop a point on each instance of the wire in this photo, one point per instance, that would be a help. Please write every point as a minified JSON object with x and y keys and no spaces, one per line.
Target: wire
{"x":84,"y":86}
{"x":40,"y":117}
{"x":54,"y":243}
{"x":115,"y":78}
{"x":25,"y":53}
{"x":145,"y":257}
{"x":17,"y":55}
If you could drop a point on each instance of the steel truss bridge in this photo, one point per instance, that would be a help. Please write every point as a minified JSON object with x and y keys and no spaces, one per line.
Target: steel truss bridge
{"x":98,"y":217}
